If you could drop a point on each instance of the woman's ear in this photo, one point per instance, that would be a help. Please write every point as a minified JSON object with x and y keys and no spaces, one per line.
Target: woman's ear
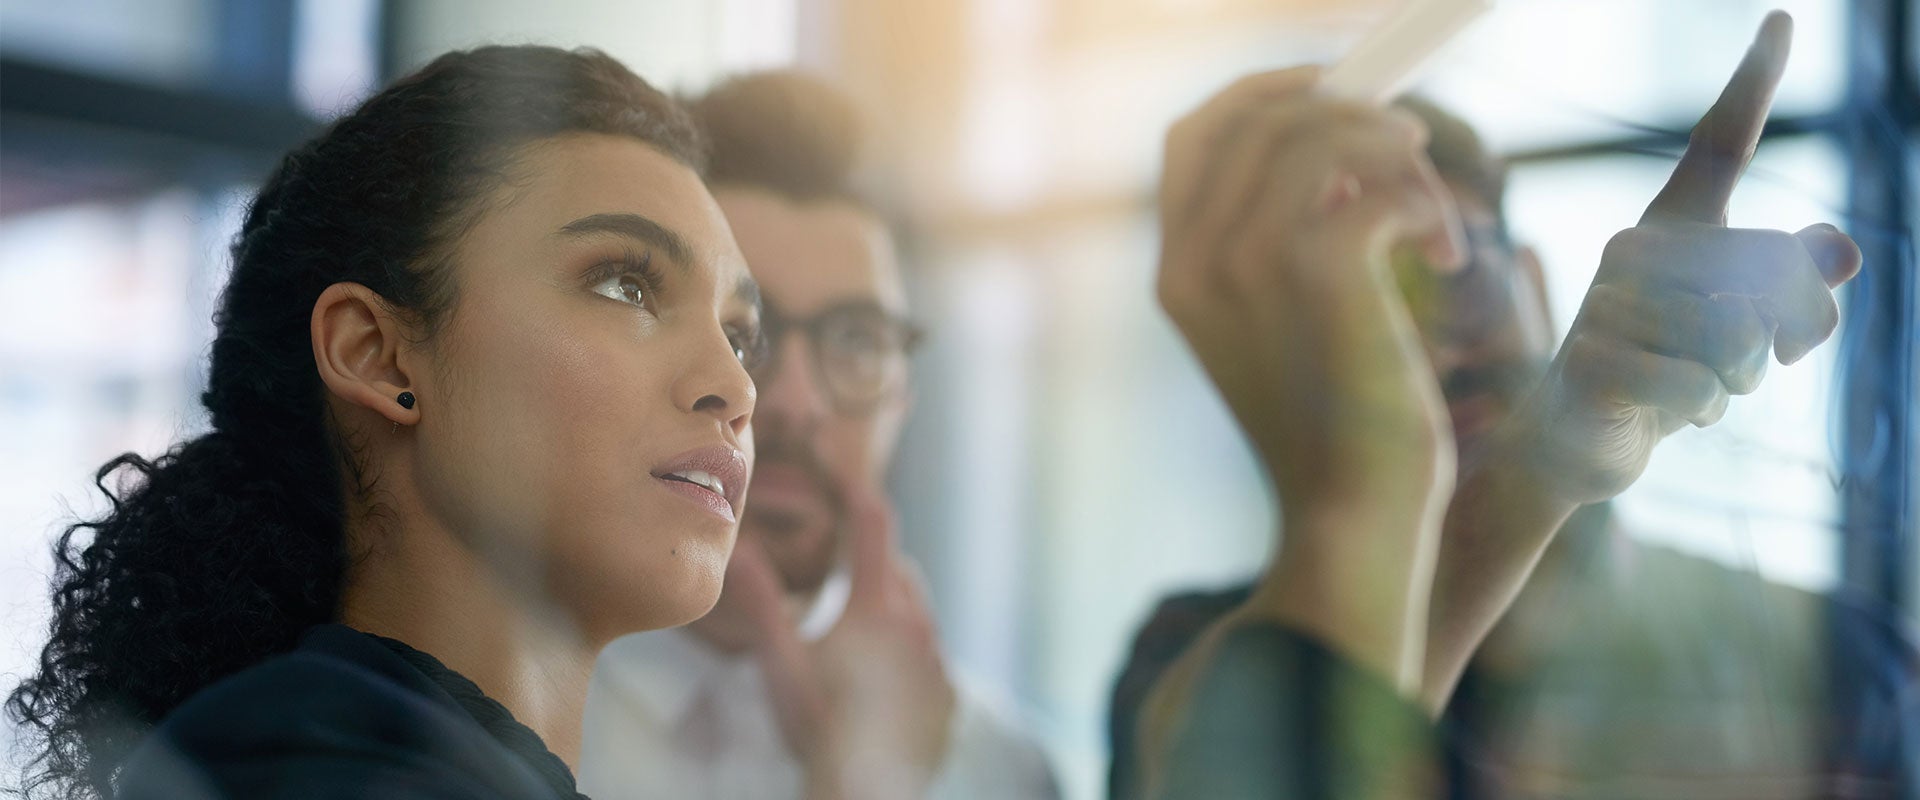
{"x":357,"y":345}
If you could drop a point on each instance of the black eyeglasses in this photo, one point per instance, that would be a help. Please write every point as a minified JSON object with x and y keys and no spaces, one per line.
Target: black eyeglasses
{"x":859,"y":351}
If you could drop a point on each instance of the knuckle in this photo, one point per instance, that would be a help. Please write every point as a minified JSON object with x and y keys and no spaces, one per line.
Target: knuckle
{"x":1743,"y":375}
{"x":1628,"y":247}
{"x":1580,"y":346}
{"x":1720,"y":142}
{"x":1688,"y":314}
{"x":1745,"y":378}
{"x":1728,"y":348}
{"x":1712,"y":411}
{"x":1749,"y":339}
{"x":1778,"y":241}
{"x":1703,"y":385}
{"x":1606,"y":305}
{"x":1586,"y":359}
{"x":1829,"y":316}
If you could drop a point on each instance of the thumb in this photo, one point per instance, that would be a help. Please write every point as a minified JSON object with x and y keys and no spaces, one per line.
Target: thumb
{"x":798,"y":704}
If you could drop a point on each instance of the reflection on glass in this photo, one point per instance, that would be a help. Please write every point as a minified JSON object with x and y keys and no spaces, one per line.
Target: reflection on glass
{"x":335,"y":58}
{"x":1538,"y":73}
{"x":162,"y":41}
{"x":1757,"y":490}
{"x":100,"y":353}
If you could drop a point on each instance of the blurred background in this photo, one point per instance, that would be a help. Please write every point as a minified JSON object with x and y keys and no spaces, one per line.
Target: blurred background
{"x":1067,"y":464}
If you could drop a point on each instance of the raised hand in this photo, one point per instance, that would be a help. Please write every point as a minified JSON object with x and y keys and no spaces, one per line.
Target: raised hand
{"x":868,"y":708}
{"x":1279,"y":211}
{"x":1279,"y":208}
{"x":1683,"y":314}
{"x":1685,"y":310}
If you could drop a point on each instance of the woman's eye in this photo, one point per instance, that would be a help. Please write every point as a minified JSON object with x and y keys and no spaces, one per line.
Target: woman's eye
{"x":747,"y":346}
{"x":624,"y":288}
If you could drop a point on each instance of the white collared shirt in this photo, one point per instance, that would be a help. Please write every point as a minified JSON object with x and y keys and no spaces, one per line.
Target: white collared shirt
{"x":646,"y":685}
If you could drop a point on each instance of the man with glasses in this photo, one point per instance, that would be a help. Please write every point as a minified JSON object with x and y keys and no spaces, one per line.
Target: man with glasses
{"x":818,"y":674}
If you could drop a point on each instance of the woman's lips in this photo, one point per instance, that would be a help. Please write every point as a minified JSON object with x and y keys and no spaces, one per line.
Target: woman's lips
{"x":713,"y":477}
{"x":700,"y":495}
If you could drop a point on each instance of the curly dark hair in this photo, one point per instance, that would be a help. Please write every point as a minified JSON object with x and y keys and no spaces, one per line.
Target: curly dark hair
{"x":783,"y":131}
{"x":219,"y":553}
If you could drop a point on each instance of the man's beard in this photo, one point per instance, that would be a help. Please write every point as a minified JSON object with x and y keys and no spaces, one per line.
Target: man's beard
{"x":1503,"y":385}
{"x":804,"y":548}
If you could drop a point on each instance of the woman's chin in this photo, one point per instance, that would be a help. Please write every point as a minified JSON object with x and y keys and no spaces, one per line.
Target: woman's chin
{"x":700,"y":598}
{"x":682,"y":590}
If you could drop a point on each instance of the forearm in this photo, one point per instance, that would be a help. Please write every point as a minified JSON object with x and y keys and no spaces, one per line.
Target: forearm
{"x":1502,"y":518}
{"x":1358,"y":578}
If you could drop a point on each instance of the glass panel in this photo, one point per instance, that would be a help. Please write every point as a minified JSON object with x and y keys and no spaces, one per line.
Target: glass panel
{"x":1913,"y":325}
{"x":1078,"y":115}
{"x":672,"y":45}
{"x":336,"y":60}
{"x":1068,"y":466}
{"x":160,"y":41}
{"x":1756,"y":491}
{"x":99,"y":354}
{"x":1542,"y":72}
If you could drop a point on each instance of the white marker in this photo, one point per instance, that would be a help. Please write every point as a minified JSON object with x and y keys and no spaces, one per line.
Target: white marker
{"x":1392,"y":55}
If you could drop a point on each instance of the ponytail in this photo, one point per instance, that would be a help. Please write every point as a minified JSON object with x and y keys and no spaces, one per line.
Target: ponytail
{"x":200,"y":568}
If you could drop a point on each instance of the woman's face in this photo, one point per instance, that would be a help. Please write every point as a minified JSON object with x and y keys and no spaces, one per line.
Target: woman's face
{"x":588,"y":382}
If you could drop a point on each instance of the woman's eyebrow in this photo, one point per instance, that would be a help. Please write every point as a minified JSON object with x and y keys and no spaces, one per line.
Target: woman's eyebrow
{"x":633,"y":226}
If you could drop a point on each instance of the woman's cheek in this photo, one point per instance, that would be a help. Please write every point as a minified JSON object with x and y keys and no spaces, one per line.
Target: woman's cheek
{"x":532,"y":422}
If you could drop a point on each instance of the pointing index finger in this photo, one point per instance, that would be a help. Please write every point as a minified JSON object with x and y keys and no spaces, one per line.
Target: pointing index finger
{"x":1724,"y":141}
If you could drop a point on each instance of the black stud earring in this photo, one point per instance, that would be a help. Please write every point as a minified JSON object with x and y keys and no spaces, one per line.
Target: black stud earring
{"x":406,"y":399}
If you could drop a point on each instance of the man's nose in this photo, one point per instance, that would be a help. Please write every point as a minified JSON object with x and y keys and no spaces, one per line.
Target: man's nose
{"x":794,"y":398}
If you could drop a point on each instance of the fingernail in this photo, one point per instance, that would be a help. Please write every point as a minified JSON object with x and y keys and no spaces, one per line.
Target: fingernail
{"x":1775,"y":31}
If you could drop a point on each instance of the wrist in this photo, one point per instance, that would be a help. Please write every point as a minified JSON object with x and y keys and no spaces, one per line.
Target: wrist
{"x":1358,"y":580}
{"x":1516,"y":475}
{"x":1507,"y":510}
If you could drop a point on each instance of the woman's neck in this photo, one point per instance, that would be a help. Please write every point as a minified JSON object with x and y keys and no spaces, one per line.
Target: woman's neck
{"x":422,"y":586}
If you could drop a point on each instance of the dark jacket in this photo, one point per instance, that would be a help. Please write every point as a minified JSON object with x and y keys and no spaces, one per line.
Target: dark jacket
{"x":345,"y":715}
{"x":1274,"y":715}
{"x":1672,"y":657}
